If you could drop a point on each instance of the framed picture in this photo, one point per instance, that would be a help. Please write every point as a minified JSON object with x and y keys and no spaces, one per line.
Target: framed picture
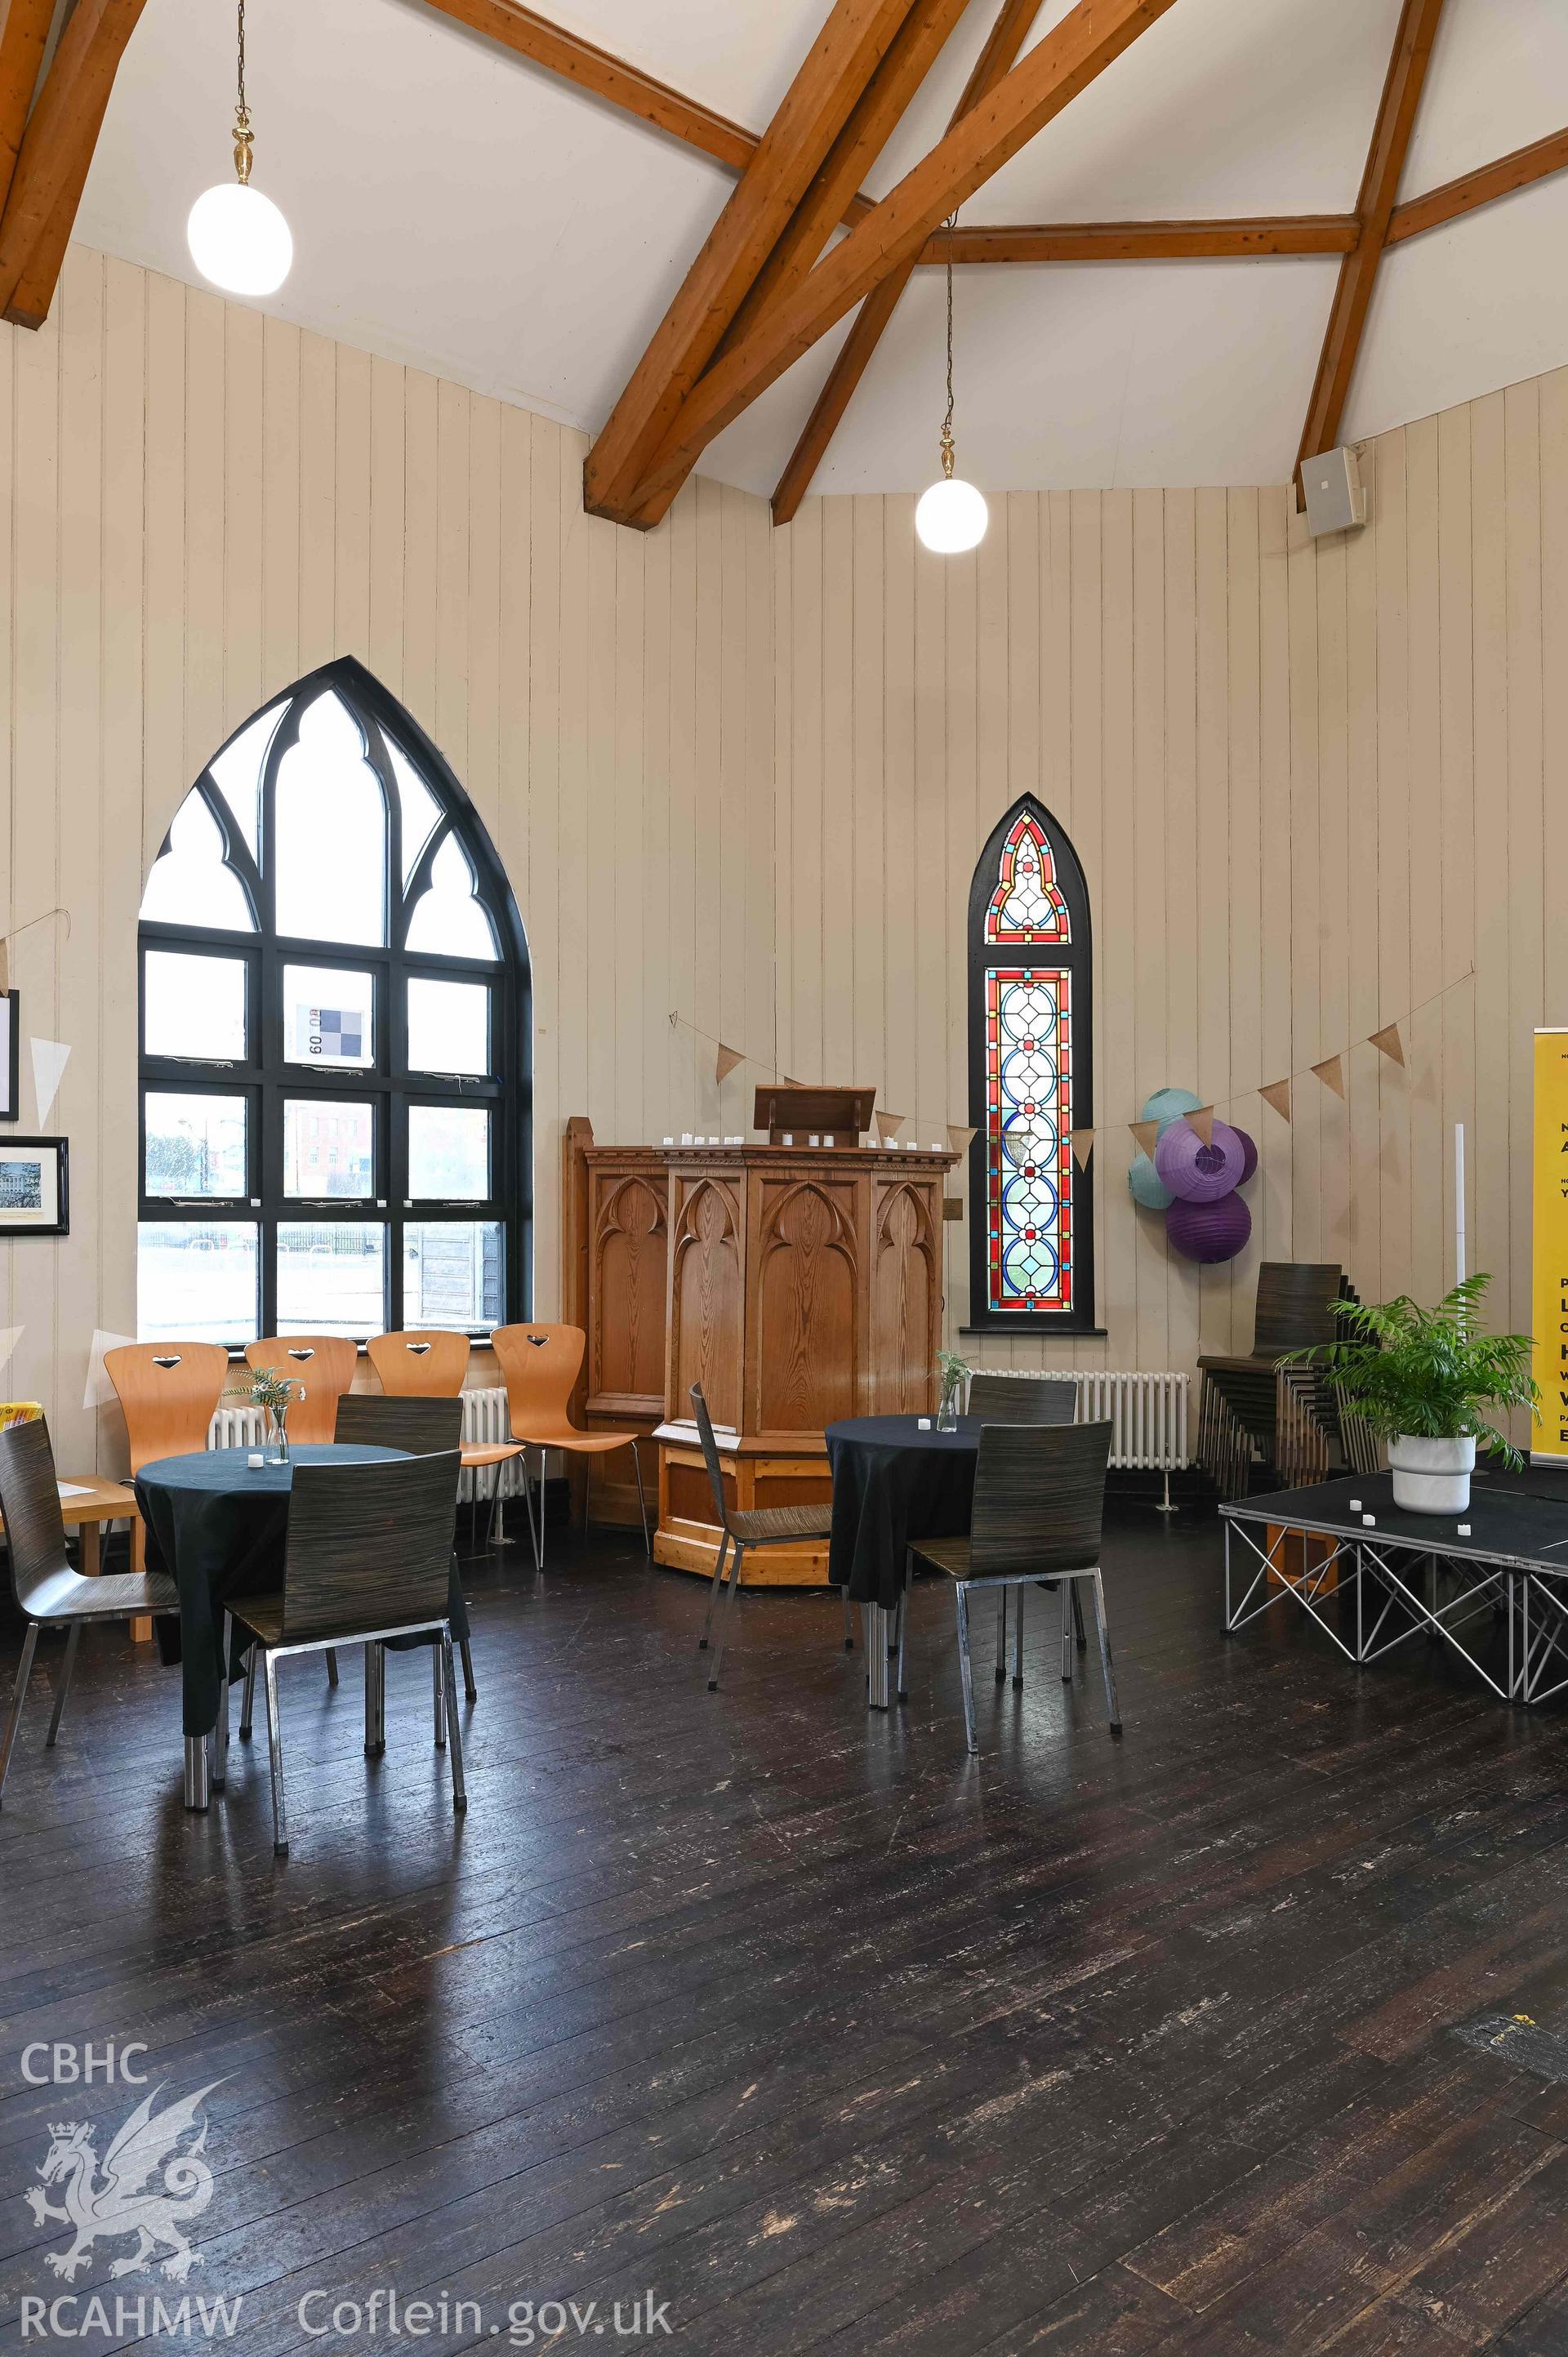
{"x":10,"y":1057}
{"x":34,"y":1197}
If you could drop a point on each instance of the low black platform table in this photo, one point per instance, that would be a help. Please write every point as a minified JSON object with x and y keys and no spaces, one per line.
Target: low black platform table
{"x":1403,"y":1575}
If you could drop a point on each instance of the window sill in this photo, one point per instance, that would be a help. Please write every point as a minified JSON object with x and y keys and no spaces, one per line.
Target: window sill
{"x":1043,"y":1332}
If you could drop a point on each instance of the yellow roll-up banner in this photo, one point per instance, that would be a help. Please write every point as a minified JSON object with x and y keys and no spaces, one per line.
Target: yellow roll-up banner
{"x":1549,"y":1298}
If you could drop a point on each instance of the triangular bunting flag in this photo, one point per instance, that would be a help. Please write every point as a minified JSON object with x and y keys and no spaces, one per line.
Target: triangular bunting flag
{"x":888,"y":1125}
{"x":100,"y":1392}
{"x":50,"y":1058}
{"x":1146,"y":1132}
{"x":1277,"y":1094}
{"x":1201,"y":1118}
{"x":1082,"y":1141}
{"x":725,"y":1061}
{"x":1389,"y":1040}
{"x":1331,"y":1072}
{"x":9,"y":1338}
{"x":960,"y":1139}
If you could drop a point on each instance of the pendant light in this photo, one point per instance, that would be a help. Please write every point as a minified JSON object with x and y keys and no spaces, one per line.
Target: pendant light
{"x":952,"y":516}
{"x":238,"y":238}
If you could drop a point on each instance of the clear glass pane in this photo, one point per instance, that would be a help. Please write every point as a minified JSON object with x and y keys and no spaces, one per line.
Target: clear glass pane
{"x":194,"y":1006}
{"x":332,"y":823}
{"x":190,"y":884}
{"x":328,"y":1148}
{"x":196,"y":1281}
{"x":421,"y":811}
{"x":448,"y":1153}
{"x":448,"y":1026}
{"x":332,"y":1277}
{"x":328,"y":1017}
{"x":448,"y":918}
{"x":452,"y":1273}
{"x":237,"y":773}
{"x":196,"y":1144}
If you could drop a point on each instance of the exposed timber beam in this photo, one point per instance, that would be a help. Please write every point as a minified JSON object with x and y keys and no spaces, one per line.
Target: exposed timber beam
{"x":23,"y":39}
{"x":1074,"y":53}
{"x":1391,"y":132}
{"x":1153,"y":241}
{"x":1482,"y":187}
{"x":1000,"y":54}
{"x":56,"y":150}
{"x":821,"y":97}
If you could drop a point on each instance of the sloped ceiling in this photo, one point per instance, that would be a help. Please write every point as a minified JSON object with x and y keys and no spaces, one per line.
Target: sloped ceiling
{"x":457,"y":208}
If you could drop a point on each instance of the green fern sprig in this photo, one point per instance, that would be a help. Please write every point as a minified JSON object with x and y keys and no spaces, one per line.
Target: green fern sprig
{"x":1432,"y":1373}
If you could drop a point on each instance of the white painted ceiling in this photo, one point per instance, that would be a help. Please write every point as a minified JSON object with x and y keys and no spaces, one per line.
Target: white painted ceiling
{"x":457,"y":209}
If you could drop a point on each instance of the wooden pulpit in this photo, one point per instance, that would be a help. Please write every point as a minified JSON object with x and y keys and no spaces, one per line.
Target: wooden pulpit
{"x":796,"y":1284}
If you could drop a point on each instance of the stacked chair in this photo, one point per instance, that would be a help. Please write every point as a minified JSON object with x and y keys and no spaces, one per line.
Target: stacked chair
{"x":1253,"y":1407}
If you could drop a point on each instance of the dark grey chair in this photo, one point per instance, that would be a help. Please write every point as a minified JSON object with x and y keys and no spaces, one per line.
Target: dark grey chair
{"x":1039,"y":1502}
{"x":368,"y":1557}
{"x":1016,"y":1399}
{"x":48,"y":1594}
{"x":762,"y":1526}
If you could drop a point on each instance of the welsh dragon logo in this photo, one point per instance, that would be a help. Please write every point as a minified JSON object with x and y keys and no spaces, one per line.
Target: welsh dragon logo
{"x":131,"y":2197}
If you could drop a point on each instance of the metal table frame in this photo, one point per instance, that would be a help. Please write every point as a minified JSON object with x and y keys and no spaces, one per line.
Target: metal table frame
{"x":1430,"y":1581}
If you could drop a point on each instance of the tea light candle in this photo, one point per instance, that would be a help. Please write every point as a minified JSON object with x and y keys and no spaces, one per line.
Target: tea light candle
{"x":667,"y":1141}
{"x":685,"y":1137}
{"x":788,"y":1137}
{"x":255,"y":1458}
{"x":1463,"y":1529}
{"x":1368,"y":1521}
{"x":1355,"y":1505}
{"x":922,"y":1423}
{"x":815,"y":1140}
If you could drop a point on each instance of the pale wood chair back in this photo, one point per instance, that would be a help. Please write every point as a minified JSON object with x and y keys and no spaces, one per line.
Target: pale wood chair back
{"x":540,"y":1365}
{"x":1039,"y":1499}
{"x":169,"y":1393}
{"x":368,"y":1546}
{"x":430,"y":1362}
{"x":1023,"y":1399}
{"x":321,"y":1367}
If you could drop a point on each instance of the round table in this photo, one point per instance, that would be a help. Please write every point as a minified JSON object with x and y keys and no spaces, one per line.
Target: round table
{"x":892,"y":1482}
{"x":219,"y":1523}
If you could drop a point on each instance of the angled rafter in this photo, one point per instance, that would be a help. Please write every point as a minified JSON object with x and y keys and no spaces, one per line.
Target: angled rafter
{"x":999,"y":55}
{"x":23,"y":39}
{"x":1482,"y":187}
{"x":57,"y":147}
{"x":1374,"y":210}
{"x":1072,"y":54}
{"x":1151,"y":240}
{"x":814,"y":110}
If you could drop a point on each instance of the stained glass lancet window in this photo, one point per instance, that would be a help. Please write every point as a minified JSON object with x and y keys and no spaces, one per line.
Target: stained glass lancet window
{"x":335,"y":1039}
{"x":1031,"y":1210}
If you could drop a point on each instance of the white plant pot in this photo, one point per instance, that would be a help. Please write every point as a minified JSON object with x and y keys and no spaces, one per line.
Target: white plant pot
{"x":1432,"y":1477}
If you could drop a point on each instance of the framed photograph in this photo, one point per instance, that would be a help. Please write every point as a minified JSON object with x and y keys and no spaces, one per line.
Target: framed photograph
{"x":10,"y":1057}
{"x":34,"y":1200}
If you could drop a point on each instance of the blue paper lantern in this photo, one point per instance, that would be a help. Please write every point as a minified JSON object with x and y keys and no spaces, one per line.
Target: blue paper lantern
{"x":1146,"y":1186}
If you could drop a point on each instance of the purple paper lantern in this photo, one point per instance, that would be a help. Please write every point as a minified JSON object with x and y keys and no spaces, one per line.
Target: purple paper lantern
{"x":1196,"y":1172}
{"x":1209,"y":1232}
{"x":1250,"y":1155}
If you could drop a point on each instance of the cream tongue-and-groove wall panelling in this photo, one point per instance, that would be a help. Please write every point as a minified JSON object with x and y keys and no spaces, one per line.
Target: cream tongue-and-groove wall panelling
{"x":744,"y":774}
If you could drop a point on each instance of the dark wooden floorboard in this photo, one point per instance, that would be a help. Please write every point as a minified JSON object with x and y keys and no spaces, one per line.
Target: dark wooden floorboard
{"x":1248,"y":2032}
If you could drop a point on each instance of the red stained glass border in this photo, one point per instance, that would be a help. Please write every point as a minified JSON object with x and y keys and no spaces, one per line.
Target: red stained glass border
{"x":994,"y":929}
{"x":997,"y":979}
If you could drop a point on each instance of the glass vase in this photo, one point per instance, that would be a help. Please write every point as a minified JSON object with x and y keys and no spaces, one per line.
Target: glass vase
{"x":947,"y":1413}
{"x":277,"y":1418}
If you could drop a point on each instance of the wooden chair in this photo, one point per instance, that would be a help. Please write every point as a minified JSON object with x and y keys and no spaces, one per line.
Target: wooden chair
{"x":48,"y":1593}
{"x":322,"y":1367}
{"x":368,"y":1557}
{"x":1016,"y":1399}
{"x":1039,"y":1500}
{"x":761,"y":1527}
{"x":540,"y":1364}
{"x":169,"y":1394}
{"x":433,"y":1364}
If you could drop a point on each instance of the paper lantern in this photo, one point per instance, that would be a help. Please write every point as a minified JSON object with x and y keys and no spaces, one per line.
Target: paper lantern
{"x":1146,"y":1186}
{"x":1200,"y":1173}
{"x":1249,"y":1157}
{"x":1169,"y":1105}
{"x":1210,"y":1232}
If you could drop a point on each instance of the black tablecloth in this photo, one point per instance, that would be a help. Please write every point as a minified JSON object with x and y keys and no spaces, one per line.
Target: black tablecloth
{"x":218,"y":1525}
{"x":893,"y":1482}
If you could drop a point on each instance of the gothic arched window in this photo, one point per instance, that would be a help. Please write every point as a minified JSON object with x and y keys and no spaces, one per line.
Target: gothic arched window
{"x":336,"y":1040}
{"x":1031,"y":1210}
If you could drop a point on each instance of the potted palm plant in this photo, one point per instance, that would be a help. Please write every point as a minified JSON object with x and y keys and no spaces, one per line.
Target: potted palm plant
{"x":1427,"y":1381}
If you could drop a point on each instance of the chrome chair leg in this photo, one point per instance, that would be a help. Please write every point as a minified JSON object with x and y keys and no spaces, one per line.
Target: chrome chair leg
{"x":714,"y":1585}
{"x":454,"y":1727}
{"x":63,"y":1686}
{"x":248,"y":1706}
{"x":332,"y":1666}
{"x":961,"y":1600}
{"x":18,"y":1693}
{"x":848,"y":1621}
{"x":375,"y":1701}
{"x":1111,"y":1702}
{"x":543,"y":1461}
{"x":902,"y":1690}
{"x":1077,"y":1615}
{"x":1001,"y":1634}
{"x":1018,"y":1637}
{"x":274,"y":1747}
{"x":197,"y":1772}
{"x":528,"y":1509}
{"x":470,"y":1690}
{"x":1069,"y":1598}
{"x":220,"y":1731}
{"x":439,"y":1683}
{"x":737,"y":1556}
{"x":641,"y":1503}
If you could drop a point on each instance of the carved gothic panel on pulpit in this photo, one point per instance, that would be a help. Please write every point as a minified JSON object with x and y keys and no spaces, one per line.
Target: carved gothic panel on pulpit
{"x":628,"y":1287}
{"x":906,"y":1290}
{"x":706,"y":1298}
{"x":806,"y":1362}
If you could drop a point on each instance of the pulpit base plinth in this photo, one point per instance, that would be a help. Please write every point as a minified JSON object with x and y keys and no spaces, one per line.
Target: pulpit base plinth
{"x":757,"y":1473}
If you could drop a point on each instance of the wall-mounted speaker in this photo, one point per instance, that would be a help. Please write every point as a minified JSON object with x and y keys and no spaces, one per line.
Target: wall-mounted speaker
{"x":1336,"y":495}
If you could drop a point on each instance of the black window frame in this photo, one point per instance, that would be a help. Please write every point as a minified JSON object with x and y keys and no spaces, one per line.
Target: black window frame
{"x":1077,"y":956}
{"x":268,"y":1077}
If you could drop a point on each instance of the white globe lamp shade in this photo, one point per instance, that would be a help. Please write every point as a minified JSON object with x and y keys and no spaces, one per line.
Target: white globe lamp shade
{"x":952,"y":516}
{"x":239,"y":239}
